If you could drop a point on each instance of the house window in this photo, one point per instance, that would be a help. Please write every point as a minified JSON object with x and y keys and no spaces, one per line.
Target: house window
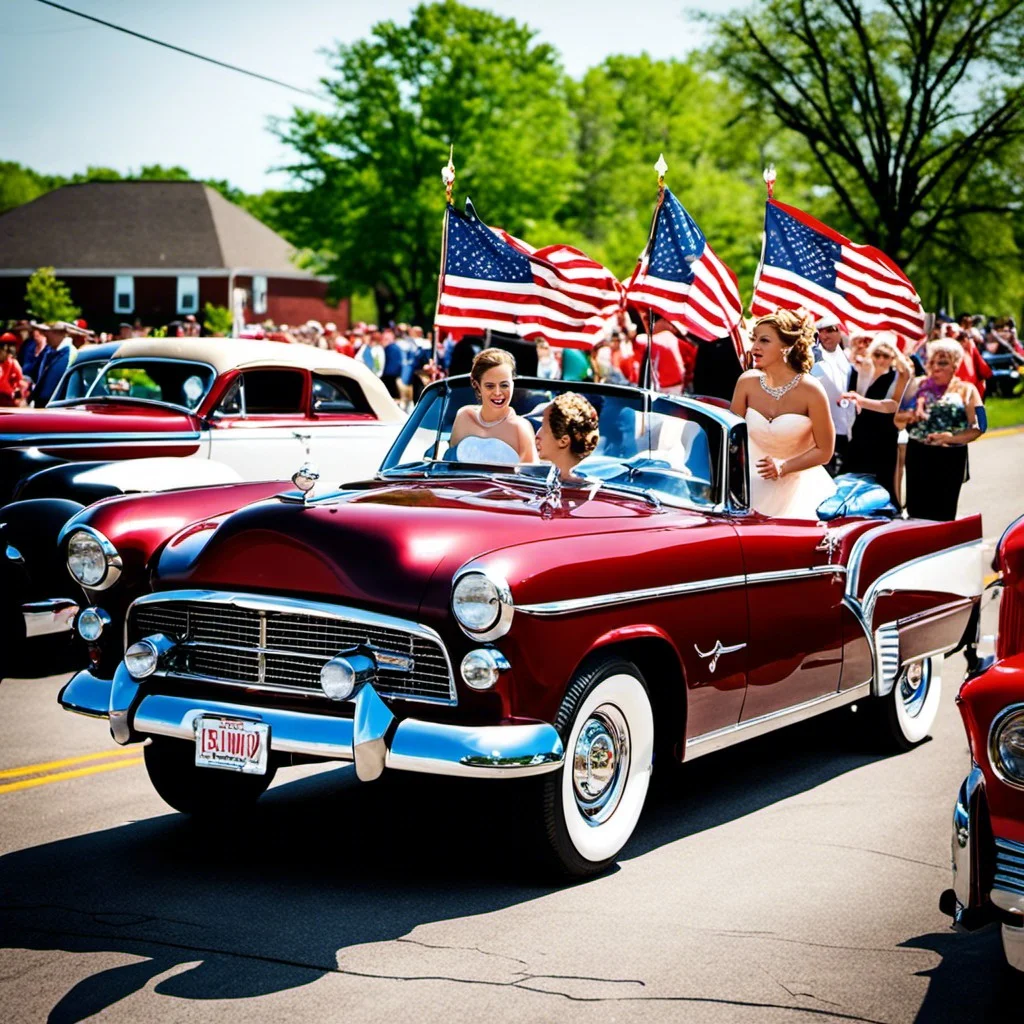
{"x":259,"y":295}
{"x":124,"y":294}
{"x":188,"y":294}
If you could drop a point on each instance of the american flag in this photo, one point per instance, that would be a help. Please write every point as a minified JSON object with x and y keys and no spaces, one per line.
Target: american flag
{"x":492,"y":280}
{"x":807,"y":264}
{"x":680,"y":277}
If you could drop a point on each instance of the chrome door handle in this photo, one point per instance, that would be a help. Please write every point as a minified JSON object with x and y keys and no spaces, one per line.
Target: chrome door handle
{"x":717,"y":651}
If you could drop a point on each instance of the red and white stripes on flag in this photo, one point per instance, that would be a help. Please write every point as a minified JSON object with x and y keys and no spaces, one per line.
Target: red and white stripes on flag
{"x":805,"y":264}
{"x":680,"y":277}
{"x":491,"y":280}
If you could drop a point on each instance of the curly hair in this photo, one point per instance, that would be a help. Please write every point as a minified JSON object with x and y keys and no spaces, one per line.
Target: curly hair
{"x":796,"y":332}
{"x":572,"y":416}
{"x":488,"y":359}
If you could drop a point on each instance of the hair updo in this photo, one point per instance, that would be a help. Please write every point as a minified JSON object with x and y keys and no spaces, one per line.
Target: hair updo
{"x":488,"y":359}
{"x":796,"y":332}
{"x":571,"y":415}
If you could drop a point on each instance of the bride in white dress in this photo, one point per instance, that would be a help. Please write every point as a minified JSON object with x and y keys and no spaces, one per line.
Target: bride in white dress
{"x":492,"y":431}
{"x":789,"y":426}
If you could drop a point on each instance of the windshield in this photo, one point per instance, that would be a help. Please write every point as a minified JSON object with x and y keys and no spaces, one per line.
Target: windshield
{"x":171,"y":381}
{"x":664,"y":449}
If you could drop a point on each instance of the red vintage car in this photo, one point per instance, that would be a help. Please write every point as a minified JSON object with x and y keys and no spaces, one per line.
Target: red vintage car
{"x":988,"y":817}
{"x":469,"y":619}
{"x":165,"y":413}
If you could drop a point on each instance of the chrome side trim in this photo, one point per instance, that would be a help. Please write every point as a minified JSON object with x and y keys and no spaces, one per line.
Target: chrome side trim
{"x":674,"y":590}
{"x":258,"y":602}
{"x":44,"y":618}
{"x":993,"y":752}
{"x":722,"y":738}
{"x":887,"y":662}
{"x":853,"y":563}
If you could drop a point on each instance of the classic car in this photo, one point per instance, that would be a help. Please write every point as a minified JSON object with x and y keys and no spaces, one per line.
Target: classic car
{"x":1005,"y":366}
{"x":164,"y":413}
{"x":494,"y":621}
{"x":988,"y":816}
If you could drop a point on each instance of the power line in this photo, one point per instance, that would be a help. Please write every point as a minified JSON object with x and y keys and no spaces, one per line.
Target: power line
{"x":180,"y":49}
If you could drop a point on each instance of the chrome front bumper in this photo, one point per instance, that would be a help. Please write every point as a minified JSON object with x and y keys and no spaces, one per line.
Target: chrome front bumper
{"x":373,"y":738}
{"x":55,"y":615}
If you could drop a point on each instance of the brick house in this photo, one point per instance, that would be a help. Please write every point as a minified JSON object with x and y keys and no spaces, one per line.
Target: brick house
{"x":156,"y":251}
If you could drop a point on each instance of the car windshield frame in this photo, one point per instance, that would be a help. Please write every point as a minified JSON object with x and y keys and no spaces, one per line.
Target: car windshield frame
{"x":728,"y":495}
{"x":130,"y":361}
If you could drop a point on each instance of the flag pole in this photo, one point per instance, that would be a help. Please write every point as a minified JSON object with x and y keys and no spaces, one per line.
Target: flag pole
{"x":448,"y":179}
{"x":647,"y":363}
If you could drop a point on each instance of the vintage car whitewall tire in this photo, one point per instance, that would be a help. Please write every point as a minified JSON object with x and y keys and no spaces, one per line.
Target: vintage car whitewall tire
{"x":1013,"y":946}
{"x":592,"y":804}
{"x":908,"y":712}
{"x":199,"y":791}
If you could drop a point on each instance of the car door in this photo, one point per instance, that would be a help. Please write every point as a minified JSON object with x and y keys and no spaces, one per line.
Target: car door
{"x":346,"y":440}
{"x":794,"y":600}
{"x":260,"y":427}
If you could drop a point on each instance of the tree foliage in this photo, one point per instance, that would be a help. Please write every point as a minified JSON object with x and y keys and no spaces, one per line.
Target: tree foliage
{"x":47,"y":297}
{"x":218,"y":320}
{"x":370,"y":198}
{"x":908,"y":108}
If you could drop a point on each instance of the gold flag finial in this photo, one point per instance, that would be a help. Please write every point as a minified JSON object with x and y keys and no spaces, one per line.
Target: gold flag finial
{"x":448,"y":173}
{"x":769,"y":180}
{"x":662,"y":168}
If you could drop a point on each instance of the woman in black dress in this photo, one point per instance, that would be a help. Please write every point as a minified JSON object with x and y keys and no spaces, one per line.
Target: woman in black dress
{"x":873,"y":443}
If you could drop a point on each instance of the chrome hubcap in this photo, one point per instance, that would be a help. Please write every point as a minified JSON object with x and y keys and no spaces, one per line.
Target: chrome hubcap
{"x":600,"y":763}
{"x":914,"y":685}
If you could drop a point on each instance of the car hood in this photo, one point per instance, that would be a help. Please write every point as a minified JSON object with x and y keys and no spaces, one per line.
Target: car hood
{"x":28,"y":426}
{"x":380,"y":546}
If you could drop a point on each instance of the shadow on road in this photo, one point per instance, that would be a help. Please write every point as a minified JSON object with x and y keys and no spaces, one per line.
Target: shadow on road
{"x":272,"y":901}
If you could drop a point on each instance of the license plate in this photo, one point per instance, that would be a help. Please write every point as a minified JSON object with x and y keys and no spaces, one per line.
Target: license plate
{"x":232,"y":743}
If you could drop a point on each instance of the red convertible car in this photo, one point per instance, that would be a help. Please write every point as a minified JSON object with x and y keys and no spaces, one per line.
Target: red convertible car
{"x":164,"y":413}
{"x":494,"y":621}
{"x":988,"y":817}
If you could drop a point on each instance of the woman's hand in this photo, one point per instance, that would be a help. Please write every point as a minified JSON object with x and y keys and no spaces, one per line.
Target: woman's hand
{"x":942,"y":438}
{"x":850,"y":396}
{"x":770,"y":469}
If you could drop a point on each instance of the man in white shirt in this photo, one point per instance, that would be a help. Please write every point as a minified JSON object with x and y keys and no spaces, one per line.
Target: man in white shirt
{"x":832,"y":368}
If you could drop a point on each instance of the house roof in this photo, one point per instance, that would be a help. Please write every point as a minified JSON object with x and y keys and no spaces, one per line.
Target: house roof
{"x":133,"y":225}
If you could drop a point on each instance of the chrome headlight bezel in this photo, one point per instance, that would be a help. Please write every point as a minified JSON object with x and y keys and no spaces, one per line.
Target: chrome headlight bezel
{"x":500,"y":596}
{"x":1011,"y":717}
{"x":107,"y":553}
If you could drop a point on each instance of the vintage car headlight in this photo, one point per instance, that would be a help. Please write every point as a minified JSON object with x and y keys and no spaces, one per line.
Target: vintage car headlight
{"x":482,"y":604}
{"x":142,"y":659}
{"x":481,"y":668}
{"x":92,"y":559}
{"x":1006,"y":745}
{"x":90,"y":624}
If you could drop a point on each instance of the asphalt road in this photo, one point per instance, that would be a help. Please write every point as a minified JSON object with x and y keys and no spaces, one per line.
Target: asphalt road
{"x":795,"y":878}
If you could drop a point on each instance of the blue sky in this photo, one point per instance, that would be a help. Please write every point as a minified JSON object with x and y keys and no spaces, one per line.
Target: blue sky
{"x":78,"y":94}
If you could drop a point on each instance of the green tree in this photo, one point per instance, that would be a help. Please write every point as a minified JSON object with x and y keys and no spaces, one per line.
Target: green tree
{"x":217,"y":319}
{"x":370,"y":200}
{"x":907,"y":108}
{"x":47,"y":298}
{"x":20,"y":185}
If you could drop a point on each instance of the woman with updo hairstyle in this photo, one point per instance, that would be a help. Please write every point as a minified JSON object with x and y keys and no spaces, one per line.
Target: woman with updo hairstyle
{"x":492,"y":432}
{"x":789,"y":426}
{"x":568,"y":433}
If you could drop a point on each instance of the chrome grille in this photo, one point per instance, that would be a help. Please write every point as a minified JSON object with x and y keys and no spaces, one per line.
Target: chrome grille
{"x":887,"y":644}
{"x":1009,"y":866}
{"x":286,"y":649}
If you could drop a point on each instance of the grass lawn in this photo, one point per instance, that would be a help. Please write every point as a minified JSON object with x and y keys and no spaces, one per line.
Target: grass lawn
{"x":1005,"y":412}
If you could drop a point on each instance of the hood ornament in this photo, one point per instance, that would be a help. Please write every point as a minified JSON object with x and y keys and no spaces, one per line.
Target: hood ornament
{"x":552,"y":500}
{"x":305,"y":480}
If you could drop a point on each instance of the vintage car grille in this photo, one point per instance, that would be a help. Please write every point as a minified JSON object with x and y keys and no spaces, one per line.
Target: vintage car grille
{"x":285,"y":649}
{"x":1009,"y":866}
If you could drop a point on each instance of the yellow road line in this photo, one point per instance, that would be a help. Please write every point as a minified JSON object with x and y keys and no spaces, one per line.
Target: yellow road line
{"x":74,"y":774}
{"x":46,"y":766}
{"x":1002,"y":432}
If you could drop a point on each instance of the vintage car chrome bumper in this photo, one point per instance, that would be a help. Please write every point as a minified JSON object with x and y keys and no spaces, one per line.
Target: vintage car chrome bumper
{"x":373,"y":738}
{"x":55,"y":615}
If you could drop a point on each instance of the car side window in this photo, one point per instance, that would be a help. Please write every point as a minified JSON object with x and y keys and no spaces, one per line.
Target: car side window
{"x":231,"y":403}
{"x":338,"y":394}
{"x":273,"y":392}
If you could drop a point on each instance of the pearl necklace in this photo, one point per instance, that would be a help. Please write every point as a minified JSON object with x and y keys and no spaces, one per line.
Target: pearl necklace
{"x":490,"y":425}
{"x":778,"y":392}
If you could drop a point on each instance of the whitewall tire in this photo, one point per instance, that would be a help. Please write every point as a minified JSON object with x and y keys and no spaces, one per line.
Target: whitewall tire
{"x":592,"y":804}
{"x":1013,"y":946}
{"x":910,"y":709}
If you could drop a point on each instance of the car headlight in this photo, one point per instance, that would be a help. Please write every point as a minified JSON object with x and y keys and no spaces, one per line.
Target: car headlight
{"x":482,"y":604}
{"x":1006,"y":746}
{"x":92,"y":559}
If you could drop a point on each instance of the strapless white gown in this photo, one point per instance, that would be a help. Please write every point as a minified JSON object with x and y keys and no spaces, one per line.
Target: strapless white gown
{"x":485,"y":449}
{"x":796,"y":495}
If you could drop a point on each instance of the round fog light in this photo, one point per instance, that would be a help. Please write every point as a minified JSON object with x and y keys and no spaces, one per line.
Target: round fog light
{"x":141,"y":659}
{"x":482,"y":667}
{"x":338,"y":679}
{"x":91,"y":623}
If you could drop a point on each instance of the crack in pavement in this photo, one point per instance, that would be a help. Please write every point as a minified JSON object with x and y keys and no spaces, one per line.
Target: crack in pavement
{"x":796,"y":995}
{"x":469,"y":949}
{"x":879,"y":853}
{"x":773,"y":937}
{"x":520,"y":983}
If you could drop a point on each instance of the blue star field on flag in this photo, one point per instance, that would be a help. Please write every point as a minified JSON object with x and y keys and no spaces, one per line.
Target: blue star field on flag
{"x":796,"y":247}
{"x":474,"y":250}
{"x":678,"y":242}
